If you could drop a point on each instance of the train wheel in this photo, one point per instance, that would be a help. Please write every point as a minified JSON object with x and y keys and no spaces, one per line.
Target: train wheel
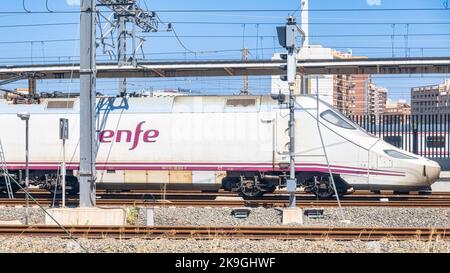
{"x":72,"y":185}
{"x":250,"y":188}
{"x":3,"y":190}
{"x":322,"y":187}
{"x":270,"y":189}
{"x":324,"y":193}
{"x":14,"y":188}
{"x":249,"y":194}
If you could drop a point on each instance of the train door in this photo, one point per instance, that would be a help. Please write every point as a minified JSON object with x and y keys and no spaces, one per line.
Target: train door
{"x":378,"y":162}
{"x":355,"y":169}
{"x":373,"y":165}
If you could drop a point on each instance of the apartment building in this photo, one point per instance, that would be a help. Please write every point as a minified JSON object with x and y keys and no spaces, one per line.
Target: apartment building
{"x":431,"y":99}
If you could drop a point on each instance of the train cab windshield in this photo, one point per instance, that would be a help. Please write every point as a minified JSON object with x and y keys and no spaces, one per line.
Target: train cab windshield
{"x":399,"y":155}
{"x":334,"y":118}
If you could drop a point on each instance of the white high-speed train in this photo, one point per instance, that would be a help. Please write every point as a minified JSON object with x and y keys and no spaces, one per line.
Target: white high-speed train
{"x":238,"y":143}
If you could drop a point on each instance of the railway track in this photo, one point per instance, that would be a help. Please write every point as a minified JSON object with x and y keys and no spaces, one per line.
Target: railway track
{"x":223,"y":203}
{"x":226,"y":199}
{"x":201,"y":232}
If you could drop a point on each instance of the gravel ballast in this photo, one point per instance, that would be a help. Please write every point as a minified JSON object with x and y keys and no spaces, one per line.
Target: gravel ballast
{"x":27,"y":244}
{"x":169,"y":216}
{"x":357,"y":216}
{"x":37,"y":215}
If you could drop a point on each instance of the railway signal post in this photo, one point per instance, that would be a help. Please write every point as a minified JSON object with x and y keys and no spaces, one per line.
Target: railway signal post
{"x":25,"y":116}
{"x":291,"y":73}
{"x":286,"y":36}
{"x":63,"y":135}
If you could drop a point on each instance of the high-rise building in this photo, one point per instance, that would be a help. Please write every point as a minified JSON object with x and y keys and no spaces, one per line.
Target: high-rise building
{"x":431,"y":99}
{"x":350,"y":91}
{"x":350,"y":94}
{"x":376,"y":99}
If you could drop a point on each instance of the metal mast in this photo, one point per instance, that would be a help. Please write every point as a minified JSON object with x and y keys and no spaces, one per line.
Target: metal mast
{"x":128,"y":11}
{"x":291,"y":73}
{"x":88,"y":138}
{"x":245,"y":58}
{"x":286,"y":38}
{"x":122,"y":52}
{"x":305,"y":28}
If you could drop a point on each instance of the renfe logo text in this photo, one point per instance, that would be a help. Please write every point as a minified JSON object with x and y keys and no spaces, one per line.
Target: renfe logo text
{"x":148,"y":136}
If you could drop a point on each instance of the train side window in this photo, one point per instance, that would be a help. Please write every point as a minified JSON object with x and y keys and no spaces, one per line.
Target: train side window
{"x":336,"y":119}
{"x":435,"y":141}
{"x":399,"y":155}
{"x":394,"y":140}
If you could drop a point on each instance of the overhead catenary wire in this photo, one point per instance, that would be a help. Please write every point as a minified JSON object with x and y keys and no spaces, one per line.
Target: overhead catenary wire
{"x":46,"y":6}
{"x":308,"y":23}
{"x":309,"y":10}
{"x":257,"y":36}
{"x":181,"y":42}
{"x":39,"y":25}
{"x":24,"y":7}
{"x":26,"y":11}
{"x":211,"y":23}
{"x":235,"y":36}
{"x":175,"y":34}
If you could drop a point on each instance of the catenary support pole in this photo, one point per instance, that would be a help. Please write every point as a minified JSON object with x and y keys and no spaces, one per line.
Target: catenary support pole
{"x":88,"y":138}
{"x":122,"y":56}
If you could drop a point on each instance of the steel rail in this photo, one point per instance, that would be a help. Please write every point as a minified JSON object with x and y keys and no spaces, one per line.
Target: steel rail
{"x":101,"y":193}
{"x":186,"y":198}
{"x":203,"y":232}
{"x":239,"y":203}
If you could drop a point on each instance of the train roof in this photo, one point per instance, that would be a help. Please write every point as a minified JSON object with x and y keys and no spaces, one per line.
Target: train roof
{"x":151,"y":104}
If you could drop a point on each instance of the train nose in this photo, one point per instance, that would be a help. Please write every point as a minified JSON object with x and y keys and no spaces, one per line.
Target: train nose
{"x":432,"y":171}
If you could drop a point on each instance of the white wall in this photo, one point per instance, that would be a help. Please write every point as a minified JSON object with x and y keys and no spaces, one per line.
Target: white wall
{"x":325,"y":87}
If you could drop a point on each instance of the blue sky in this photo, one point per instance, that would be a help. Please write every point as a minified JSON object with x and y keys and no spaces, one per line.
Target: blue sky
{"x":22,"y":45}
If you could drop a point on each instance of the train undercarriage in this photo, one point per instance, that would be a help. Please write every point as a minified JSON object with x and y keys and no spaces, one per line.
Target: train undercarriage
{"x":248,"y":184}
{"x":256,"y":184}
{"x":43,"y":179}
